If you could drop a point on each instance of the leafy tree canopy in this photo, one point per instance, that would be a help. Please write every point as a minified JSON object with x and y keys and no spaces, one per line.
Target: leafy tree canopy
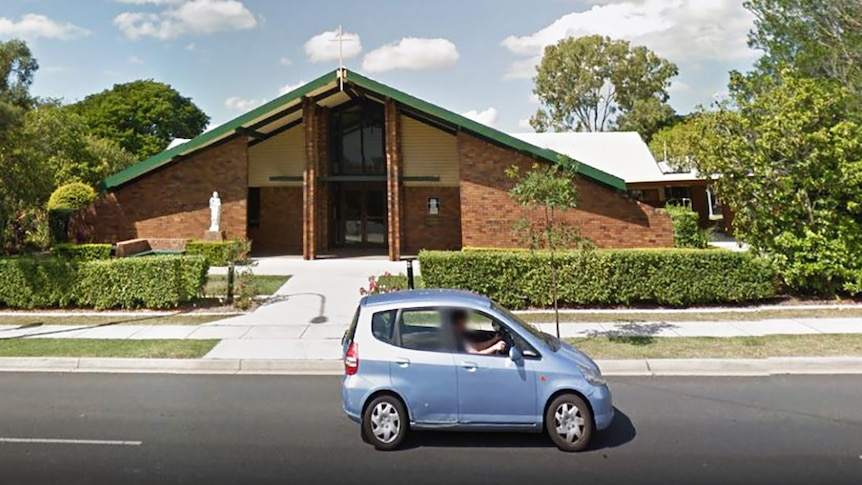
{"x":789,"y":161}
{"x":141,"y":116}
{"x":17,"y":67}
{"x":596,"y":83}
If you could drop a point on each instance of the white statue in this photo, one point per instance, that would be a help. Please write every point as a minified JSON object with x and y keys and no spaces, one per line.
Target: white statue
{"x":215,"y":212}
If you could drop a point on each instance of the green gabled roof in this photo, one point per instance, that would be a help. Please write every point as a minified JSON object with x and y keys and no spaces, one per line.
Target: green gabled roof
{"x":419,"y":105}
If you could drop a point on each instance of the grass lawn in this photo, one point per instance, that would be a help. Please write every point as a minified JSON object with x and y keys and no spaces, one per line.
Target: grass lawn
{"x":710,"y":347}
{"x":266,"y":284}
{"x":635,"y":316}
{"x":148,"y":349}
{"x":177,"y":319}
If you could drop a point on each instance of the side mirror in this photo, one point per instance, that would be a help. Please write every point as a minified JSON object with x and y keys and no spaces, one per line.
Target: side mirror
{"x":515,"y":354}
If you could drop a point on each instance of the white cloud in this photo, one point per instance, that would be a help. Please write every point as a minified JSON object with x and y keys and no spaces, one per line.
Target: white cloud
{"x":34,"y":26}
{"x":238,"y":104}
{"x":194,"y":17}
{"x":486,"y":117}
{"x":289,"y":87}
{"x":525,"y":124}
{"x":324,"y":47}
{"x":680,"y":30}
{"x":150,"y":2}
{"x":191,"y":46}
{"x":284,"y":61}
{"x":412,"y":53}
{"x":135,"y":60}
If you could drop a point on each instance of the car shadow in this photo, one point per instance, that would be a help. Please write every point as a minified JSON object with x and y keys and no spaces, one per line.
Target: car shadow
{"x":620,"y":432}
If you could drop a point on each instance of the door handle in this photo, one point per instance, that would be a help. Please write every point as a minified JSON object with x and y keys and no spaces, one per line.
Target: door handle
{"x":470,"y":366}
{"x":402,"y":362}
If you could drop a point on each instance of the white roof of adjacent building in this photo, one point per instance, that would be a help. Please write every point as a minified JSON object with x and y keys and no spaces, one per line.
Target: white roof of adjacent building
{"x":623,"y":154}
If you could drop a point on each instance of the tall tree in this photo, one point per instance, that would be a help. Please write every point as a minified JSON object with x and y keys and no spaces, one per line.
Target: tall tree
{"x":679,"y":144}
{"x":142,"y":116}
{"x":591,"y":83}
{"x":789,"y":161}
{"x":818,"y":38}
{"x":17,"y":67}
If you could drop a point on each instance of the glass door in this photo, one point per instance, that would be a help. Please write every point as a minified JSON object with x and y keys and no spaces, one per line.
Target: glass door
{"x":360,"y":216}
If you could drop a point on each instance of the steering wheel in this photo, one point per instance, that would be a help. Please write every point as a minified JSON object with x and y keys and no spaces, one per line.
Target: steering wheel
{"x":505,"y":336}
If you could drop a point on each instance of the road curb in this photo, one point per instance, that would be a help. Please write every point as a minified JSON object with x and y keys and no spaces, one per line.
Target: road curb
{"x":636,"y":367}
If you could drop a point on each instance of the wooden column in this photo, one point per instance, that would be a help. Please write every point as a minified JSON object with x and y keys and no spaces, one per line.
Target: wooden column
{"x":393,"y":178}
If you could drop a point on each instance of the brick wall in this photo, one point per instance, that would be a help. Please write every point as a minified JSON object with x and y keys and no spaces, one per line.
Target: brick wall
{"x":173,"y":202}
{"x":605,"y":217}
{"x":280,"y":229}
{"x":423,"y":231}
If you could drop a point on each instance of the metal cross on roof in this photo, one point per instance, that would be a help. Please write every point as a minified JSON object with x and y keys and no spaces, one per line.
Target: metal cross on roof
{"x":340,"y":38}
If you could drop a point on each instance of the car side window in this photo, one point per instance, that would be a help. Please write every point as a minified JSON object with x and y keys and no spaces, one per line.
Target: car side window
{"x":481,"y":326}
{"x":423,"y":329}
{"x":383,"y":326}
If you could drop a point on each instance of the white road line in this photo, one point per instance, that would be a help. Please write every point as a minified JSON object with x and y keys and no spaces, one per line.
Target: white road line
{"x":70,"y":442}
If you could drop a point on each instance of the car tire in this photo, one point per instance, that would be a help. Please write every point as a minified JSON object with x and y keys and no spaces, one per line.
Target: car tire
{"x":569,"y":423}
{"x":385,"y":423}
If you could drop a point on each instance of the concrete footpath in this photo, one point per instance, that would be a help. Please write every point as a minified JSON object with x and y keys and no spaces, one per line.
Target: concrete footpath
{"x":243,"y":340}
{"x":638,"y":367}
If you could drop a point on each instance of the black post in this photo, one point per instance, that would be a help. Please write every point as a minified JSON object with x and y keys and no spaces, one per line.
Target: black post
{"x":230,"y":283}
{"x":409,"y":262}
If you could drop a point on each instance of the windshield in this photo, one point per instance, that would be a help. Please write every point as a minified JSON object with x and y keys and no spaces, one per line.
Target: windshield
{"x":552,"y":342}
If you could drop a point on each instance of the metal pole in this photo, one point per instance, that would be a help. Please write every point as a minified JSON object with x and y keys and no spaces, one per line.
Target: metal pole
{"x":230,"y":271}
{"x":410,"y":274}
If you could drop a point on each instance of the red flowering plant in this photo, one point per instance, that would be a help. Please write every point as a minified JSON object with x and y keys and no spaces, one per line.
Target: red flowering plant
{"x":385,"y":283}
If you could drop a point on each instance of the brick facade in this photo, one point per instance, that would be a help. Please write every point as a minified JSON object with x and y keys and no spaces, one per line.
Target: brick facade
{"x":280,"y":222}
{"x":605,"y":217}
{"x":173,"y":201}
{"x":424,"y":231}
{"x":393,"y":178}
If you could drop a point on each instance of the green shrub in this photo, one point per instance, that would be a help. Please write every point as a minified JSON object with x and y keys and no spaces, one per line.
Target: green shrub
{"x":220,"y":253}
{"x":33,"y":282}
{"x":65,"y":201}
{"x":672,"y":277}
{"x":82,"y":252}
{"x":686,"y":228}
{"x":145,"y":282}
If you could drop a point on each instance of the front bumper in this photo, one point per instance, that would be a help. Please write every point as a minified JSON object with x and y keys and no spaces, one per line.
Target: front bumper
{"x":603,"y":407}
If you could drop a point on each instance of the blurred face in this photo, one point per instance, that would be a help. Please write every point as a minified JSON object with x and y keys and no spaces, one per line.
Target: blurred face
{"x":459,"y":324}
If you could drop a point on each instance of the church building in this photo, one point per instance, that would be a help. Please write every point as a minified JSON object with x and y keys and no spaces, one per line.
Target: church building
{"x":346,"y":165}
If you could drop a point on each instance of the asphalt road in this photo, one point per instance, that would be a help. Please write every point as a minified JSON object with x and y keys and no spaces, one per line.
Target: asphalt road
{"x":288,"y":430}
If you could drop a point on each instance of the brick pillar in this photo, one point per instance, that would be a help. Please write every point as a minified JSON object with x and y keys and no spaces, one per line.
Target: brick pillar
{"x":323,"y":189}
{"x":309,"y":186}
{"x":393,"y":178}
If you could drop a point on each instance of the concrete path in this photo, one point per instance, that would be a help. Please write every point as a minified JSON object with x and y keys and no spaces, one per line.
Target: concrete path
{"x":246,"y":339}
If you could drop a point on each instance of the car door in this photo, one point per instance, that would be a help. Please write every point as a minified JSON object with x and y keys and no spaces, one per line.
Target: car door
{"x":493,"y":389}
{"x":423,"y":367}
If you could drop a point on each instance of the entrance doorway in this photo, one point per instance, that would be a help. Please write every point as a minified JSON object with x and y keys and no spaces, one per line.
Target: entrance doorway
{"x":360,"y":215}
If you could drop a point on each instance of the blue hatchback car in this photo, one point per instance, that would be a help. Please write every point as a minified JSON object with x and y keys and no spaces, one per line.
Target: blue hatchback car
{"x":453,"y":360}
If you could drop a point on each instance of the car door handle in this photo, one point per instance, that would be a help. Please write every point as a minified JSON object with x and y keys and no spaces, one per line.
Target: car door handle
{"x":470,"y":366}
{"x":402,"y":362}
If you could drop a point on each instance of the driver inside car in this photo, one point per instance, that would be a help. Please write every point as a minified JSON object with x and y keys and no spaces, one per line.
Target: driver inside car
{"x":493,"y":346}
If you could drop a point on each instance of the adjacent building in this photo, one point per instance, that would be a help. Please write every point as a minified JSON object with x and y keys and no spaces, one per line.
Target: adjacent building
{"x":346,"y":165}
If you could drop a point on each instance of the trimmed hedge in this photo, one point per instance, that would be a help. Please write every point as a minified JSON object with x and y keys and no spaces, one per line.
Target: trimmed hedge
{"x":220,"y":253}
{"x":686,"y":228}
{"x":82,"y":252}
{"x":145,"y":282}
{"x":671,"y":277}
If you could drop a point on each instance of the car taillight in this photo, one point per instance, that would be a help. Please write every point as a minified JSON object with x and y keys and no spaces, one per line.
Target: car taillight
{"x":351,"y":359}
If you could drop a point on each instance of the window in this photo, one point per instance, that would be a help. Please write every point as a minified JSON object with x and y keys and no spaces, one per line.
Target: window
{"x":383,"y":326}
{"x":253,"y":207}
{"x":358,"y":140}
{"x":482,"y":328}
{"x":423,"y":330}
{"x":678,"y":196}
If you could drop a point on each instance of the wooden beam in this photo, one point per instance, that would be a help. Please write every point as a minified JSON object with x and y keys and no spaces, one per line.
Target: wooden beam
{"x":250,"y":133}
{"x":280,"y":129}
{"x":286,"y":178}
{"x":272,"y":119}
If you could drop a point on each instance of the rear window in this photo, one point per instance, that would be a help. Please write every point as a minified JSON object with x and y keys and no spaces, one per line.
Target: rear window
{"x":351,"y":331}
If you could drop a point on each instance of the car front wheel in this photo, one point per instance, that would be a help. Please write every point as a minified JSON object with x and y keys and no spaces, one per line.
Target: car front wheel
{"x":569,"y":423}
{"x":385,"y":423}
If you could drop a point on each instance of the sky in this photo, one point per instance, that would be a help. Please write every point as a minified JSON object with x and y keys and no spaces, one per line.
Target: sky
{"x":475,"y":57}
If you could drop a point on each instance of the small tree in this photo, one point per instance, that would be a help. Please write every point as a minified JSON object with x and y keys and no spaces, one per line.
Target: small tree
{"x":550,"y":190}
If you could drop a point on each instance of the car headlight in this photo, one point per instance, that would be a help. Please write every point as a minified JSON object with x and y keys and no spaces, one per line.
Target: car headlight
{"x":592,"y":376}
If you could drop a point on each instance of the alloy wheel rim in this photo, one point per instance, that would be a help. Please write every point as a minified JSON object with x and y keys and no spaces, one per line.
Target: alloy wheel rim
{"x":385,"y":422}
{"x":569,"y":422}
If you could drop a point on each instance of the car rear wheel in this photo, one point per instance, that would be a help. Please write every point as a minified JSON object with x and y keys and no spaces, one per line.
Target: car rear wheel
{"x":569,"y":423}
{"x":385,"y":423}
